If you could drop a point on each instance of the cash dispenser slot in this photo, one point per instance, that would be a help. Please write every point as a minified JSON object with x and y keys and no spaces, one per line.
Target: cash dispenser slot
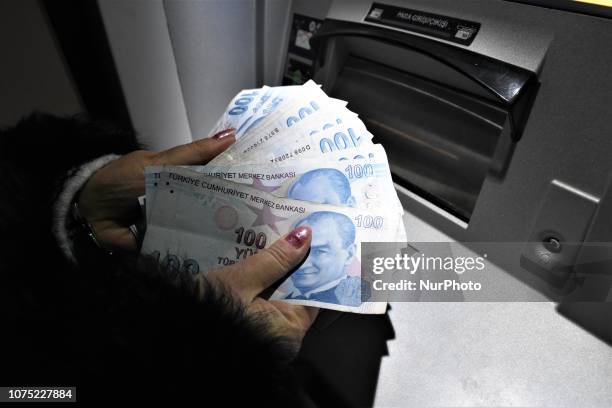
{"x":447,"y":116}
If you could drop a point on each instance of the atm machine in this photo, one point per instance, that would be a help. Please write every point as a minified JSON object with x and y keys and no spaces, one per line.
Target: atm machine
{"x":496,"y":119}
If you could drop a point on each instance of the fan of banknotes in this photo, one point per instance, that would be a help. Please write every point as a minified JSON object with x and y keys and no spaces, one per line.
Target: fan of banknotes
{"x":300,"y":158}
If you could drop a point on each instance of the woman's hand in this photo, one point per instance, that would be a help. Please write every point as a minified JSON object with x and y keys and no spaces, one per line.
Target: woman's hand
{"x":109,"y":199}
{"x":249,"y":278}
{"x":109,"y":202}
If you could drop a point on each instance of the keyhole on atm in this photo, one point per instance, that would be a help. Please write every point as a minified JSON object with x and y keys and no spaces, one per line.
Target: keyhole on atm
{"x":552,"y":244}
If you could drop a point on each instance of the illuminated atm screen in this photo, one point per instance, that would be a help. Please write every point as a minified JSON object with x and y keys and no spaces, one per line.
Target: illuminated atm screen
{"x":605,"y":3}
{"x":599,"y":8}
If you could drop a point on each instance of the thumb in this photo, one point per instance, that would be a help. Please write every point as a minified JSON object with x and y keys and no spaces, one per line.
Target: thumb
{"x":256,"y":273}
{"x":197,"y":152}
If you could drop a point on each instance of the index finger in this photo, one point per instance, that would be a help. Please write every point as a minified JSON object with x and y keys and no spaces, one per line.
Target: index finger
{"x":197,"y":152}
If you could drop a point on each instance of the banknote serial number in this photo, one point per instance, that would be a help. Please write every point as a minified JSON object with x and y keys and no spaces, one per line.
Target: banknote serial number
{"x":261,"y":140}
{"x":289,"y":155}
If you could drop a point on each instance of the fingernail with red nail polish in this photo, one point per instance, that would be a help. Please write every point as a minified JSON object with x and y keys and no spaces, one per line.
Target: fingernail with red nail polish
{"x":224,"y":133}
{"x":298,"y":236}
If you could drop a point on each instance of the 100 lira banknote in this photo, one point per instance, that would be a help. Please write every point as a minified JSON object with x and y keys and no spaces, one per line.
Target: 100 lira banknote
{"x":199,"y":223}
{"x":362,"y":181}
{"x":352,"y":182}
{"x":284,"y":115}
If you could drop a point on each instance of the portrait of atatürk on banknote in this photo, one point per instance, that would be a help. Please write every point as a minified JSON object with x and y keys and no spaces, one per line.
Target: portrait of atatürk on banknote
{"x":323,"y":276}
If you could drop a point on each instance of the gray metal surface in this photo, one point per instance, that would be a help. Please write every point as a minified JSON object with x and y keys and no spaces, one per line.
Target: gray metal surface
{"x":214,"y":44}
{"x":276,"y":22}
{"x":140,"y":43}
{"x":508,"y":32}
{"x":490,"y":354}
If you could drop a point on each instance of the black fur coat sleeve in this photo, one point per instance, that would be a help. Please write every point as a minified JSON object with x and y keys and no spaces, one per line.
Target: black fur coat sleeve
{"x":118,"y":329}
